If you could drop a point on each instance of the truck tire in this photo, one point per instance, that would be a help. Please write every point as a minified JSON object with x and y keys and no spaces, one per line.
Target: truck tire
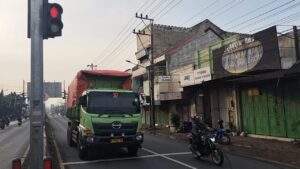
{"x":82,"y":151}
{"x":132,"y":150}
{"x":71,"y":143}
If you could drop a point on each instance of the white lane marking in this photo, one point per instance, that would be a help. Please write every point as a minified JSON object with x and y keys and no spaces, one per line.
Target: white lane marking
{"x":108,"y":160}
{"x":125,"y":158}
{"x":171,"y":159}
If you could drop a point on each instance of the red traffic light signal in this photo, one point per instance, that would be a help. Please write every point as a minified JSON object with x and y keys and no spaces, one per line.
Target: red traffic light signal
{"x":54,"y":12}
{"x":52,"y":20}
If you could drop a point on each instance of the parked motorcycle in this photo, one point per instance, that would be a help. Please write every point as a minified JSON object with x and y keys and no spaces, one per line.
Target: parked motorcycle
{"x":19,"y":121}
{"x":2,"y":124}
{"x":6,"y":121}
{"x":208,"y":149}
{"x":221,"y":135}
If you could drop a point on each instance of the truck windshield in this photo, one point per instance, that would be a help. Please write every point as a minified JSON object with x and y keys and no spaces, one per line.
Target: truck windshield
{"x":113,"y":103}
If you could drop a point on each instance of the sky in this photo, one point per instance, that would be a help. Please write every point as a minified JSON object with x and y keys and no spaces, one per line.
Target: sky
{"x":100,"y":31}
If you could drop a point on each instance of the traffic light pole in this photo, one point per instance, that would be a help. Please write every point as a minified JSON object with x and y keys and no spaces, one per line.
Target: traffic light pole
{"x":36,"y":100}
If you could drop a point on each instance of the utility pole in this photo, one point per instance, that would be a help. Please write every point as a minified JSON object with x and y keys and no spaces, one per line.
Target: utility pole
{"x":92,"y":66}
{"x":36,"y":100}
{"x":151,"y":67}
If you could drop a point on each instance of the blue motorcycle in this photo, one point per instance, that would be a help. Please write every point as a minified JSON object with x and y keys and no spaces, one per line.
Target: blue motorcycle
{"x":221,"y":135}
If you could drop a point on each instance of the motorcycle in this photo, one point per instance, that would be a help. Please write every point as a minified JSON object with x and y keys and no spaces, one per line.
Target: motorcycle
{"x":221,"y":135}
{"x":208,"y":149}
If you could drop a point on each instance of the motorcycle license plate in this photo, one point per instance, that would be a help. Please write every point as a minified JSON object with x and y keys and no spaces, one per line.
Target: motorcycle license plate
{"x":116,"y":140}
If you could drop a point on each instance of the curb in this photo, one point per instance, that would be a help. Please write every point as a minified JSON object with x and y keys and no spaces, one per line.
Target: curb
{"x":58,"y":155}
{"x":61,"y":166}
{"x":232,"y":153}
{"x":24,"y":156}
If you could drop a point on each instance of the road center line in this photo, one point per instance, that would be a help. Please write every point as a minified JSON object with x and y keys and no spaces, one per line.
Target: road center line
{"x":125,"y":158}
{"x":171,"y":159}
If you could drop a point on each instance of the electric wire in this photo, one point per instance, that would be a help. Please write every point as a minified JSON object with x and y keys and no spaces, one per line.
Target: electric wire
{"x":261,"y":14}
{"x":221,"y":12}
{"x":158,"y":5}
{"x":119,"y":34}
{"x":172,"y":1}
{"x":280,"y":21}
{"x":167,"y":11}
{"x":198,"y":13}
{"x":127,"y":36}
{"x":248,"y":13}
{"x":271,"y":15}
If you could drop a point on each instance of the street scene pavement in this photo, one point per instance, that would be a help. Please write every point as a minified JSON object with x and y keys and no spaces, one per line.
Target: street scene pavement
{"x":14,"y":141}
{"x":157,"y":152}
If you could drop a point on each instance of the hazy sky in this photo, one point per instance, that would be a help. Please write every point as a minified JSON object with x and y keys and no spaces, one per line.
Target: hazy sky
{"x":99,"y":31}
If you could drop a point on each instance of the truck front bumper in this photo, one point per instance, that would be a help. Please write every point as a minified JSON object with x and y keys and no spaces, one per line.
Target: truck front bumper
{"x":104,"y":141}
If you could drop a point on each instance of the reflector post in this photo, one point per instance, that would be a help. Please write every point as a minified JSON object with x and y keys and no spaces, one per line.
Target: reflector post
{"x":16,"y":164}
{"x":47,"y":163}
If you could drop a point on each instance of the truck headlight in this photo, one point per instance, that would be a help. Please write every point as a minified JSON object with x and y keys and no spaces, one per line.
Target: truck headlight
{"x":139,"y":137}
{"x":90,"y":139}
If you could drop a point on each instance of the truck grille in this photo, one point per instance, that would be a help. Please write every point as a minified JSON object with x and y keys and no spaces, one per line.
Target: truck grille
{"x":106,"y":129}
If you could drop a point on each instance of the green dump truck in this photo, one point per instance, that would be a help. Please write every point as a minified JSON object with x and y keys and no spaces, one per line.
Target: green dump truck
{"x":103,"y":112}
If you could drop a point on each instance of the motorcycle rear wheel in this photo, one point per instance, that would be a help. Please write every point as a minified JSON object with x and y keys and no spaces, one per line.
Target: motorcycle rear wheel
{"x":225,"y":140}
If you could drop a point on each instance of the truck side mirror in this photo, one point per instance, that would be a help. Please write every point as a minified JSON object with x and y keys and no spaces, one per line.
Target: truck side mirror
{"x":83,"y":101}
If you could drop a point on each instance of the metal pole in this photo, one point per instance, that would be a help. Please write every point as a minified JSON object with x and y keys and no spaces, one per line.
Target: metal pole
{"x":296,"y":39}
{"x":36,"y":100}
{"x":150,"y":105}
{"x":152,"y":77}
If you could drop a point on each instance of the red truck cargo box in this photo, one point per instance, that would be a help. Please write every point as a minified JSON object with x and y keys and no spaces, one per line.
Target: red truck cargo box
{"x":81,"y":82}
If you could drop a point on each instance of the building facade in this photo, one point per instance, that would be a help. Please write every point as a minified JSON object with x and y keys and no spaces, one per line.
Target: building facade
{"x":250,"y":81}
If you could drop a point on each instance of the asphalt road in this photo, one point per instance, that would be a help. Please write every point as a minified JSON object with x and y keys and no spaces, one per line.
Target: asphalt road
{"x":157,"y":153}
{"x":14,"y":140}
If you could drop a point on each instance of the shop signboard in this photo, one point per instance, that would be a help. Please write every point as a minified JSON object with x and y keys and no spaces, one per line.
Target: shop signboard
{"x":187,"y":79}
{"x":248,"y":54}
{"x":201,"y":75}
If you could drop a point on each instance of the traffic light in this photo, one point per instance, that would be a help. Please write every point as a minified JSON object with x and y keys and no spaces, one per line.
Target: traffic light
{"x":52,"y":24}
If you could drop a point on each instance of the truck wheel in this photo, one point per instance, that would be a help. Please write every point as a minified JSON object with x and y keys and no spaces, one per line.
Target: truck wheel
{"x":132,"y":150}
{"x":71,"y":143}
{"x":82,"y":151}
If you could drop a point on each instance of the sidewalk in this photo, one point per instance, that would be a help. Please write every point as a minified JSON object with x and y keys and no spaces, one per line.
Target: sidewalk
{"x":281,"y":152}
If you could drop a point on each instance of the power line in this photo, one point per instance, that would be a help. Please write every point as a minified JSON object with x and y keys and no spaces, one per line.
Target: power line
{"x":198,"y":13}
{"x":143,"y":5}
{"x":169,"y":10}
{"x":250,"y":12}
{"x":272,"y":15}
{"x":259,"y":15}
{"x":280,"y":21}
{"x":149,"y":6}
{"x":158,"y":5}
{"x":120,"y":44}
{"x":118,"y":53}
{"x":227,"y":9}
{"x":108,"y":48}
{"x":108,"y":56}
{"x":164,"y":8}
